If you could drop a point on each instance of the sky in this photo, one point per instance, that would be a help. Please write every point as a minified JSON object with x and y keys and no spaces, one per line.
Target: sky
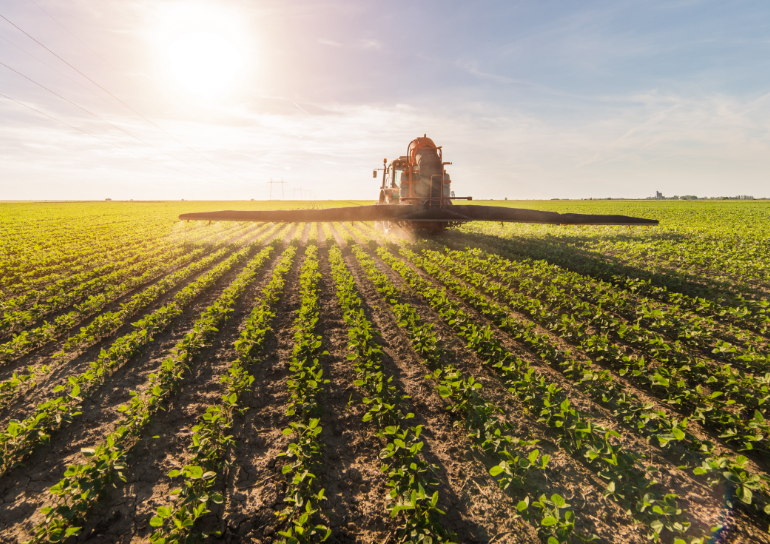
{"x":530,"y":100}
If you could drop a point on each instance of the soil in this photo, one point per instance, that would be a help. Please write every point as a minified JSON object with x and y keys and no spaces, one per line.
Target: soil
{"x":476,"y":510}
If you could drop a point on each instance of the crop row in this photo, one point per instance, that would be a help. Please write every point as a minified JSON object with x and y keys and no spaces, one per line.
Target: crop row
{"x":123,"y":273}
{"x":716,"y":257}
{"x":731,"y":471}
{"x":84,"y":483}
{"x":408,"y":473}
{"x":718,"y":406}
{"x":106,"y":324}
{"x":92,"y":252}
{"x":628,"y":481}
{"x":102,"y":326}
{"x":515,"y":458}
{"x":33,"y":263}
{"x":721,"y":304}
{"x":692,"y":330}
{"x":20,"y":438}
{"x":209,"y":442}
{"x":109,"y":322}
{"x":683,"y":379}
{"x":28,"y":340}
{"x":77,"y":284}
{"x":304,"y":496}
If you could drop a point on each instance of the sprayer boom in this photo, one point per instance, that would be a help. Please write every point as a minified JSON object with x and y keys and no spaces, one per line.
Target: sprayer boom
{"x":420,"y":213}
{"x":416,"y":194}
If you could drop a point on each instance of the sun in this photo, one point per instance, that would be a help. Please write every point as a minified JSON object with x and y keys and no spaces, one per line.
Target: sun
{"x":202,"y":46}
{"x":204,"y":63}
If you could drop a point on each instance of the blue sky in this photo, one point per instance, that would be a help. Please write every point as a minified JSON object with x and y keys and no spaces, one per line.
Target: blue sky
{"x":529,"y":99}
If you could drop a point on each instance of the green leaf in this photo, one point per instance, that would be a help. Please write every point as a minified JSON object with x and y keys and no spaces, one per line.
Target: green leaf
{"x":745,"y":495}
{"x":194,"y":473}
{"x":533,"y":455}
{"x":548,"y":521}
{"x":164,"y":511}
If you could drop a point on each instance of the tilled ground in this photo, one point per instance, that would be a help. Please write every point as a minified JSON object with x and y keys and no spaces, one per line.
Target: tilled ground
{"x":24,"y":488}
{"x":253,"y":486}
{"x":606,"y":519}
{"x":26,"y":402}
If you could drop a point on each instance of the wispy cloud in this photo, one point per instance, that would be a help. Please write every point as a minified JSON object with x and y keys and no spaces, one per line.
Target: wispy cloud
{"x":362,"y":44}
{"x":371,"y":44}
{"x":332,"y":43}
{"x":528,"y":100}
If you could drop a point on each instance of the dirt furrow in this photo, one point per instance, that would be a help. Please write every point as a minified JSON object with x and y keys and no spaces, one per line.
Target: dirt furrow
{"x":127,"y":510}
{"x":24,"y":488}
{"x":704,"y":504}
{"x":27,"y":401}
{"x":42,"y":354}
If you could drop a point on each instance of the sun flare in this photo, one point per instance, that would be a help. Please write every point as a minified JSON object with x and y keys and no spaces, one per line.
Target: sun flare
{"x":204,"y":63}
{"x":203,"y":46}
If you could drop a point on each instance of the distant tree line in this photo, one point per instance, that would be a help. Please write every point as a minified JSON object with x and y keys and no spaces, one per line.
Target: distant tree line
{"x":693,"y":197}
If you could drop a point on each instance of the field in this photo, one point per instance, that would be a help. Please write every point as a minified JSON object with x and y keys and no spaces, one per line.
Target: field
{"x":162,"y":381}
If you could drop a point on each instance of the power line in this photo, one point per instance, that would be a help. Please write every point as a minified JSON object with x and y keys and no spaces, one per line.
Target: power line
{"x":108,"y":92}
{"x":94,"y":115}
{"x":89,"y":134}
{"x":65,"y":62}
{"x":52,"y":68}
{"x":74,"y":36}
{"x":102,"y":88}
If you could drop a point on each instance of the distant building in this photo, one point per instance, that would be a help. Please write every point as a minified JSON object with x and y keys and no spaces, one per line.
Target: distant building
{"x":659,"y":195}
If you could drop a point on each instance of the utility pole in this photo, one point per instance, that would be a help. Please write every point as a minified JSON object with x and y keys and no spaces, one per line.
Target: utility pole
{"x":271,"y":183}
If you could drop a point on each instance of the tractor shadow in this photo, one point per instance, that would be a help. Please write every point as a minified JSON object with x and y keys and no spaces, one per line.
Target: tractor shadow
{"x":600,"y":265}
